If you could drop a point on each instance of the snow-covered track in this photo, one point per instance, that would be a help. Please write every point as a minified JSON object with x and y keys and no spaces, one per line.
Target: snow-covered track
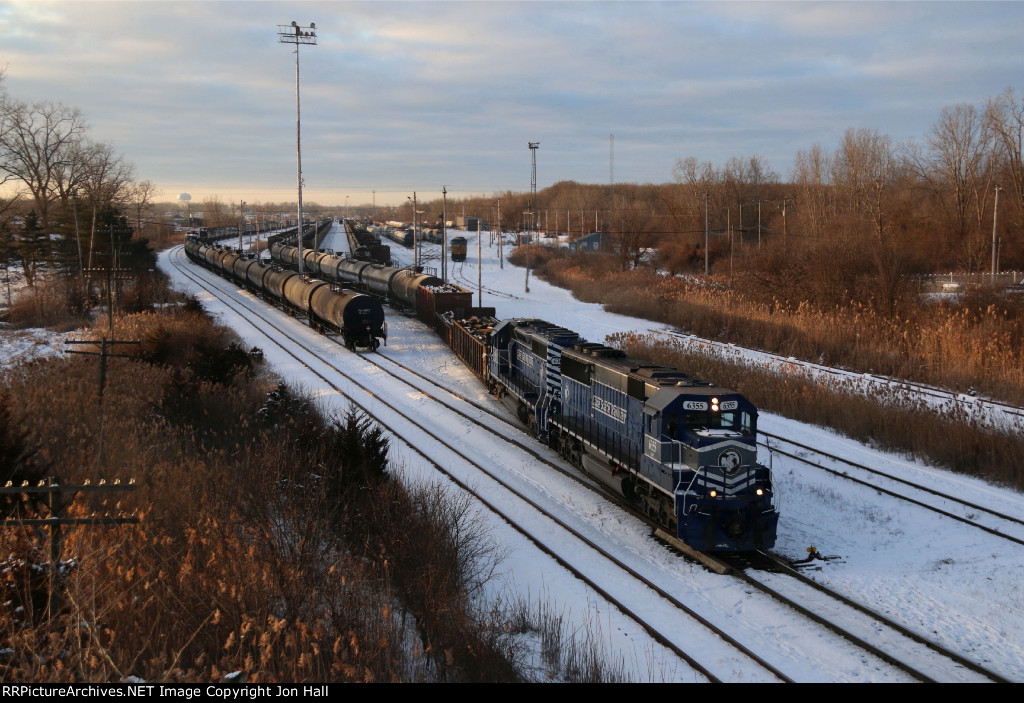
{"x":922,"y":658}
{"x":472,"y":285}
{"x":945,"y":503}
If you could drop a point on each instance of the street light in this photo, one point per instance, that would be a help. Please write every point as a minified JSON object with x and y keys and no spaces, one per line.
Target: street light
{"x":297,"y":34}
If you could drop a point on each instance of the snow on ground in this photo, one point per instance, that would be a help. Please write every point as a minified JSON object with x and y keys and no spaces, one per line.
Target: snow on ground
{"x":23,"y":346}
{"x":929,"y":572}
{"x":18,"y":346}
{"x":932,"y":574}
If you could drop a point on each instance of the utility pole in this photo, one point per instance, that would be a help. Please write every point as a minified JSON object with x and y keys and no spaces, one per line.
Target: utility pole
{"x":479,"y":269}
{"x":995,"y":241}
{"x":758,"y":224}
{"x":785,"y":240}
{"x":297,"y":35}
{"x":707,"y":236}
{"x":501,"y":255}
{"x":241,"y":219}
{"x":56,"y":504}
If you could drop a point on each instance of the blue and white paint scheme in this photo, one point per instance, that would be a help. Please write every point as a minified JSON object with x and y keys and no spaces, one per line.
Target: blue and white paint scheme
{"x":680,"y":448}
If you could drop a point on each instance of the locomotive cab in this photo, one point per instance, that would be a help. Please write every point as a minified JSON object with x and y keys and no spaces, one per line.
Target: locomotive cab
{"x":707,"y":436}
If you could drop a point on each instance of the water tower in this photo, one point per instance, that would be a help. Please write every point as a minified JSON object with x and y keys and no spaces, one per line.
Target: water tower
{"x":186,"y":204}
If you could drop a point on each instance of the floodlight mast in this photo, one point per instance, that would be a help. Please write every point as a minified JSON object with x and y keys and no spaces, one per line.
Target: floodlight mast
{"x":297,"y":34}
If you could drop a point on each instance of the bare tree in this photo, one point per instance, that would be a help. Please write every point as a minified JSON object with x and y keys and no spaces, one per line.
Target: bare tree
{"x":1005,"y":118}
{"x":695,"y":181}
{"x":864,"y":169}
{"x":956,"y":166}
{"x":105,"y":179}
{"x":36,"y":142}
{"x":139,"y":197}
{"x":812,"y":177}
{"x":632,"y":226}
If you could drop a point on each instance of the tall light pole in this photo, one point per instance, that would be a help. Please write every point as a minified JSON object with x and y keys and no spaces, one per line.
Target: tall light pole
{"x":533,"y":204}
{"x":415,"y":242}
{"x":297,"y":35}
{"x":444,"y":233}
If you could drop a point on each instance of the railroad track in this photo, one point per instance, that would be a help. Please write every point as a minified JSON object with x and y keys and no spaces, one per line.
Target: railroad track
{"x":450,"y":400}
{"x":997,"y":522}
{"x":872,"y":631}
{"x":603,"y":580}
{"x":472,"y":285}
{"x":925,"y":660}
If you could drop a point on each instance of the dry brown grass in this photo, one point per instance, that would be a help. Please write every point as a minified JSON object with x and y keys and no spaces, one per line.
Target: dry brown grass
{"x":57,"y":302}
{"x":258,"y":550}
{"x":949,"y":436}
{"x":977,"y":342}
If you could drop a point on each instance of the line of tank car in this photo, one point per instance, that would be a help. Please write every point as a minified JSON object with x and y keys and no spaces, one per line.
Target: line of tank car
{"x":681,"y":449}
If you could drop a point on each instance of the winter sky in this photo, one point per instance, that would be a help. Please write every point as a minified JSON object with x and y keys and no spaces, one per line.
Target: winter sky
{"x":409,"y":96}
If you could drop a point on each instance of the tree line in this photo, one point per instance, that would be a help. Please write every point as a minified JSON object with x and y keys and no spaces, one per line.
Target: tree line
{"x":933,"y":201}
{"x":58,"y":181}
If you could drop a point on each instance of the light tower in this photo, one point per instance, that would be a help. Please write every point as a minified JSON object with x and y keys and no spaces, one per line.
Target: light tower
{"x":444,"y":233}
{"x":533,"y":200}
{"x":297,"y":34}
{"x":533,"y":181}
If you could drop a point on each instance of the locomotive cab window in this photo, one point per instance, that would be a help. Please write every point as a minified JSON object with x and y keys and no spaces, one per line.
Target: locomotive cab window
{"x":707,"y":423}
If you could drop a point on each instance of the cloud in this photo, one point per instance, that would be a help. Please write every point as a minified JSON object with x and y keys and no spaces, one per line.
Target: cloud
{"x":412,"y":95}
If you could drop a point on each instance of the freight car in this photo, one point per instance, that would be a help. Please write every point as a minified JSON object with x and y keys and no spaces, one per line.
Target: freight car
{"x":403,"y":236}
{"x":365,"y":245}
{"x":357,"y":317}
{"x":398,"y":285}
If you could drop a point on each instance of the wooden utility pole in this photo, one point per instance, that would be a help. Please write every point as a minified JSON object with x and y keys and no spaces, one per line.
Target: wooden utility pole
{"x":57,"y":502}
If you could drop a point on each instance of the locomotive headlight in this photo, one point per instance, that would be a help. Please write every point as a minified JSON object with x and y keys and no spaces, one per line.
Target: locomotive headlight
{"x":760,"y":491}
{"x":713,"y":494}
{"x":714,"y":405}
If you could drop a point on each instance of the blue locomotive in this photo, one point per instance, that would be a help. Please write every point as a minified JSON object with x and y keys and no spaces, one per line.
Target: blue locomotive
{"x":680,"y":448}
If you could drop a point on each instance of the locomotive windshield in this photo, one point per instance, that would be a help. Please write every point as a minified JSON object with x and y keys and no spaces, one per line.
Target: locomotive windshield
{"x":706,"y":423}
